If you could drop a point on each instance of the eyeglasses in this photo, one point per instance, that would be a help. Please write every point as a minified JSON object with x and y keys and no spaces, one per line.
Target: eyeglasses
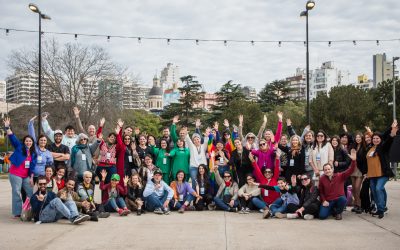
{"x":84,"y":139}
{"x":304,"y":179}
{"x":42,"y":184}
{"x":268,"y":171}
{"x":251,"y":137}
{"x":262,"y":144}
{"x":227,"y":176}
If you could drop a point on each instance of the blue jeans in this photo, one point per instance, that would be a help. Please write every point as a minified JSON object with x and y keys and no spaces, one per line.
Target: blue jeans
{"x":179,"y":204}
{"x":113,"y":204}
{"x":379,"y":192}
{"x":154,"y":201}
{"x":335,"y":207}
{"x":278,"y":206}
{"x":16,"y":184}
{"x":221,"y":204}
{"x":56,"y":209}
{"x":258,"y":203}
{"x":193,"y":176}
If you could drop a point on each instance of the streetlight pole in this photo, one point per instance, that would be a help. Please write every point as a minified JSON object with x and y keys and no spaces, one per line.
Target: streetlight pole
{"x":309,"y":6}
{"x":394,"y":87}
{"x":35,"y":9}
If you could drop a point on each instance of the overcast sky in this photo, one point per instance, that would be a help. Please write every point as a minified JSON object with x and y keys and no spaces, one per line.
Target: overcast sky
{"x":214,"y":63}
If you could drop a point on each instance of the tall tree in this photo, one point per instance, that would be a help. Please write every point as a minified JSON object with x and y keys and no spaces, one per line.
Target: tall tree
{"x":273,"y":94}
{"x":191,"y":95}
{"x":228,"y":93}
{"x":71,"y":73}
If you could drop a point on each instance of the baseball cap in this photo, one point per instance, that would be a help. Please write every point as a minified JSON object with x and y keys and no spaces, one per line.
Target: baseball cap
{"x":115,"y":177}
{"x":157,"y":172}
{"x":58,"y":131}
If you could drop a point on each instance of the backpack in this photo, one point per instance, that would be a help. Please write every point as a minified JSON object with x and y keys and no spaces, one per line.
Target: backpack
{"x":26,"y":213}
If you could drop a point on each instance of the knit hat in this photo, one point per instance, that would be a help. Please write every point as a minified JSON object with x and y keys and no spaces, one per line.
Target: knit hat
{"x":196,"y":135}
{"x":115,"y":177}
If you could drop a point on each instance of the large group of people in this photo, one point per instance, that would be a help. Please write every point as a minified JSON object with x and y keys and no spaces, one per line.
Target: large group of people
{"x":278,"y":175}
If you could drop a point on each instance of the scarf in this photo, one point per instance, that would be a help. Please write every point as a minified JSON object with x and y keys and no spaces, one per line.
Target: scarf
{"x":227,"y":183}
{"x":74,"y":150}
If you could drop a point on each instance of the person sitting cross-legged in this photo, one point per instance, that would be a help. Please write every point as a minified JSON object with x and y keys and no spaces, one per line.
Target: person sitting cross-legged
{"x":134,"y":198}
{"x":112,"y":199}
{"x":157,"y":194}
{"x":47,"y":207}
{"x":183,"y":194}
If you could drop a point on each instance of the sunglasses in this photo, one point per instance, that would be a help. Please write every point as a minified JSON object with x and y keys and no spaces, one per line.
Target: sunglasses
{"x":250,"y":137}
{"x":42,"y":184}
{"x":304,"y":179}
{"x":268,"y":171}
{"x":227,"y":176}
{"x":262,"y":144}
{"x":84,"y":139}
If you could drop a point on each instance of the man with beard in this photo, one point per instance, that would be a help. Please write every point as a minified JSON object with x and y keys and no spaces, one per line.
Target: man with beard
{"x":59,"y":151}
{"x":48,"y":208}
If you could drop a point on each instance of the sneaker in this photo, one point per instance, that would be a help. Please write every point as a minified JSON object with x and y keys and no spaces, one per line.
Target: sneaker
{"x":266,"y":214}
{"x":126,"y":211}
{"x":292,"y":216}
{"x":308,"y":217}
{"x":358,"y":210}
{"x":247,"y":210}
{"x":338,"y":217}
{"x":242,"y":211}
{"x":139,"y":212}
{"x":104,"y":215}
{"x":190,"y":208}
{"x":354,"y":209}
{"x":80,"y":218}
{"x":38,"y":222}
{"x":94,"y":217}
{"x":166,"y":211}
{"x":280,"y":215}
{"x":261,"y":210}
{"x":386,"y":210}
{"x":181,"y":210}
{"x":158,"y":211}
{"x":233,"y":209}
{"x":211,"y":206}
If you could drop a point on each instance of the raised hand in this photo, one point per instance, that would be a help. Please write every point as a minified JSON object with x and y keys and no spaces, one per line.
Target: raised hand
{"x":100,"y":136}
{"x":251,"y":157}
{"x":175,"y":120}
{"x":278,"y":153}
{"x":120,"y":123}
{"x":368,"y":129}
{"x":216,"y":125}
{"x":226,"y":123}
{"x":265,"y":120}
{"x":288,"y":122}
{"x":208,"y":131}
{"x":117,"y":129}
{"x":7,"y":122}
{"x":137,"y":131}
{"x":353,"y":154}
{"x":40,"y":197}
{"x":240,"y":120}
{"x":33,"y":118}
{"x":280,"y":115}
{"x":103,"y":174}
{"x":126,"y":179}
{"x":102,"y":121}
{"x":198,"y":123}
{"x":133,"y":146}
{"x":345,"y":128}
{"x":76,"y":112}
{"x":395,"y":128}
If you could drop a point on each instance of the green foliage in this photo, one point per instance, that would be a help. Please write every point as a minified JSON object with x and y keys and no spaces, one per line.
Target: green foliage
{"x":147,"y":122}
{"x":274,"y":94}
{"x":191,"y":94}
{"x":226,"y":95}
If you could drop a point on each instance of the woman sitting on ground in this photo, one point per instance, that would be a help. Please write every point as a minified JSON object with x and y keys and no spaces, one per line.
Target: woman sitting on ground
{"x":250,"y":196}
{"x":183,"y":194}
{"x":113,"y":202}
{"x":203,"y":188}
{"x":134,"y":198}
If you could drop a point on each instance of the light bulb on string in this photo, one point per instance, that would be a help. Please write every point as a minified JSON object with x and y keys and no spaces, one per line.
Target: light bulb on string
{"x":354,"y":42}
{"x":280,"y":43}
{"x":329,"y":44}
{"x":305,"y":43}
{"x":7,"y":32}
{"x":252,"y":42}
{"x":139,"y":40}
{"x":197,"y":42}
{"x":76,"y":37}
{"x":377,"y":42}
{"x":168,"y":41}
{"x":108,"y":38}
{"x":225,"y":43}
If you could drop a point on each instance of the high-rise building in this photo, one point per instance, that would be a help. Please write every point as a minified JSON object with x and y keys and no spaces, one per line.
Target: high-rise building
{"x":170,"y":77}
{"x":134,"y":96}
{"x":382,"y":69}
{"x":363,"y":82}
{"x":298,"y":84}
{"x":327,"y":77}
{"x":250,"y":93}
{"x":2,"y":91}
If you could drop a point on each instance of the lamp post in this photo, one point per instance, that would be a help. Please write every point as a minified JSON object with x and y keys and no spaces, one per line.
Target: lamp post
{"x":35,"y":9}
{"x":309,"y":6}
{"x":394,"y":87}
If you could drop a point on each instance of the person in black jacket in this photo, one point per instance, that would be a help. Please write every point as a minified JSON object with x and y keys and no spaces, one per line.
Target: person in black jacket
{"x":308,"y":197}
{"x":47,"y":207}
{"x":240,"y":162}
{"x":358,"y":175}
{"x":379,"y":170}
{"x":295,"y":158}
{"x":134,"y":198}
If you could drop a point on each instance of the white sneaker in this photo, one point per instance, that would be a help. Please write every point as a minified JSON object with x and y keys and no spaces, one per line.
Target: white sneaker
{"x":261,"y":210}
{"x":308,"y":217}
{"x":292,"y":216}
{"x":242,"y":211}
{"x":247,"y":210}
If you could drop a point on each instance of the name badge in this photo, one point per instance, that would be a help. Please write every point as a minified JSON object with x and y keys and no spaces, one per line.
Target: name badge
{"x":266,"y":192}
{"x":291,"y":163}
{"x":202,"y":190}
{"x":181,"y":197}
{"x":221,"y":160}
{"x":83,"y":157}
{"x":130,"y":158}
{"x":164,"y":161}
{"x":27,"y":164}
{"x":108,"y":155}
{"x":39,"y":159}
{"x":372,"y":154}
{"x":318,"y":157}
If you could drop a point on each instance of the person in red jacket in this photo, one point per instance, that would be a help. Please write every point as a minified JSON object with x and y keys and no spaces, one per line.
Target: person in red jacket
{"x":267,"y":177}
{"x":112,"y":199}
{"x":331,"y":190}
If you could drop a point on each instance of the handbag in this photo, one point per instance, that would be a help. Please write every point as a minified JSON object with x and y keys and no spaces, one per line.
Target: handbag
{"x":26,"y":214}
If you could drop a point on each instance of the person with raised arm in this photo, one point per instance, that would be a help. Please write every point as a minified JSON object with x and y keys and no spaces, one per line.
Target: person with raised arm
{"x":91,"y":130}
{"x":269,"y":136}
{"x":113,"y":192}
{"x":249,"y":141}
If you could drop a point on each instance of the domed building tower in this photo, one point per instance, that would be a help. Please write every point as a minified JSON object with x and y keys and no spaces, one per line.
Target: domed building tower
{"x":155,"y":98}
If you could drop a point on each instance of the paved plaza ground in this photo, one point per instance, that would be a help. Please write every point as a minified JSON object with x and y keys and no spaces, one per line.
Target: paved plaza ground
{"x":204,"y":230}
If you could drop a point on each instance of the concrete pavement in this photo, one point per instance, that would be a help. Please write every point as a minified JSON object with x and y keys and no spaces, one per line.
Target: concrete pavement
{"x":204,"y":230}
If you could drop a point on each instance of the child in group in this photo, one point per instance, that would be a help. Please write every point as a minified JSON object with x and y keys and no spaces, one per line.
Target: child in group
{"x":113,"y":202}
{"x":287,"y":203}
